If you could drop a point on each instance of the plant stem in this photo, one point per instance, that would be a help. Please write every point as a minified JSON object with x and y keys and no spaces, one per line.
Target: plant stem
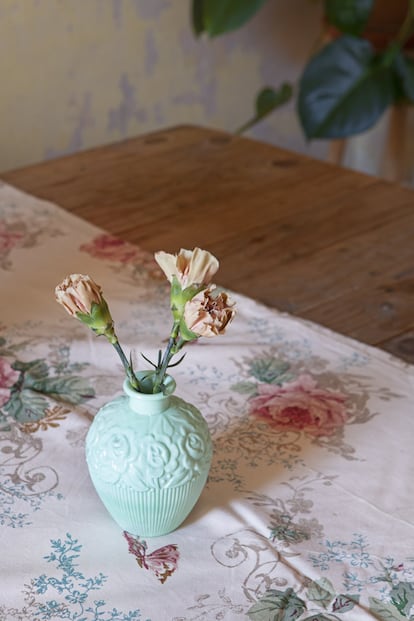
{"x":131,"y":377}
{"x":168,"y":354}
{"x":407,"y":27}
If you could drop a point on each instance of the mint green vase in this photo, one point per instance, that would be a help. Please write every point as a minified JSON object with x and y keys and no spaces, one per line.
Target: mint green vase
{"x":148,"y":457}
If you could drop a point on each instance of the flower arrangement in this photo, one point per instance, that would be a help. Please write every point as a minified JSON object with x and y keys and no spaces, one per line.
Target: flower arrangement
{"x":198,"y":307}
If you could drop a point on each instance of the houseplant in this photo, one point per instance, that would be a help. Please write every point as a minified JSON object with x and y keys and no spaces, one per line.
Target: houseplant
{"x":358,"y":71}
{"x":148,"y":451}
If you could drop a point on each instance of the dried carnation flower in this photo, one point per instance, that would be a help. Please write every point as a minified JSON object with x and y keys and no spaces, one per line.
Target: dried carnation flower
{"x":190,"y":267}
{"x":198,"y":307}
{"x":209,"y":312}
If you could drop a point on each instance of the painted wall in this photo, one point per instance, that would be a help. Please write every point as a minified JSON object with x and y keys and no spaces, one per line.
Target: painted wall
{"x":80,"y":73}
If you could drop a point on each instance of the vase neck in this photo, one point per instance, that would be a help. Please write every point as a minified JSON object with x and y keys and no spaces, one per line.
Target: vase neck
{"x":148,"y":403}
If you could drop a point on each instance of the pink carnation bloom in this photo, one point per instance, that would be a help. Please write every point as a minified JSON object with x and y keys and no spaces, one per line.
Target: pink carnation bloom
{"x":301,"y":405}
{"x":8,"y":377}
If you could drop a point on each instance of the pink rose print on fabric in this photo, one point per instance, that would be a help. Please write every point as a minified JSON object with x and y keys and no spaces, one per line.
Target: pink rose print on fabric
{"x":110,"y":248}
{"x":8,"y":377}
{"x":8,"y":239}
{"x":301,"y":405}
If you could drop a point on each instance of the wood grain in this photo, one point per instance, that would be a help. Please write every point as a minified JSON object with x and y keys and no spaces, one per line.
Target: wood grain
{"x":308,"y":237}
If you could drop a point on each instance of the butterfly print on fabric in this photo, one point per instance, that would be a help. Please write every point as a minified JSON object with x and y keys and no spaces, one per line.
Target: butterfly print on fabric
{"x":162,"y":562}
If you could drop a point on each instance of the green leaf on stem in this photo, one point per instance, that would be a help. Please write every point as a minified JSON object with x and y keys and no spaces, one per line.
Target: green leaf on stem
{"x":266,"y":102}
{"x":152,"y":363}
{"x":197,"y":17}
{"x":216,"y":17}
{"x":349,"y":16}
{"x":344,"y":89}
{"x":185,"y":333}
{"x":99,"y":320}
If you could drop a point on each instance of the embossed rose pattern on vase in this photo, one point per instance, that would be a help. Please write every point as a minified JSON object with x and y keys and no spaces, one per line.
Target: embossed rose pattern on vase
{"x":149,"y":456}
{"x":173,"y":453}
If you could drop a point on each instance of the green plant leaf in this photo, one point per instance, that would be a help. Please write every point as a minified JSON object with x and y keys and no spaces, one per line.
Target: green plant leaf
{"x":277,"y":606}
{"x":349,"y":16}
{"x":185,"y":332}
{"x":197,"y":16}
{"x":219,"y":16}
{"x":344,"y":89}
{"x":266,"y":101}
{"x":71,"y":389}
{"x":322,"y":592}
{"x":404,"y":70}
{"x":384,"y":611}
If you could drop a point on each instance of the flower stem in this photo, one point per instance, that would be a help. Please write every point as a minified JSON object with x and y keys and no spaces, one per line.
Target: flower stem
{"x":130,"y":375}
{"x":168,"y":354}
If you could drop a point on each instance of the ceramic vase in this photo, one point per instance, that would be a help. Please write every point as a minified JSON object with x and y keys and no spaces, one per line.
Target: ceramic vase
{"x":148,"y":457}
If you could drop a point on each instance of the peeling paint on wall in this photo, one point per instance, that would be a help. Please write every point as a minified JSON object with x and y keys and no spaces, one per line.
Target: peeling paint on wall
{"x":87,"y":72}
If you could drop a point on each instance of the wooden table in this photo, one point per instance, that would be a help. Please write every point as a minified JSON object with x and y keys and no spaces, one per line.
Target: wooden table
{"x":307,"y":237}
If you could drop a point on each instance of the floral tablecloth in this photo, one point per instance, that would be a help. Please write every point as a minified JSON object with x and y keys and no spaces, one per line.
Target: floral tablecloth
{"x":309,"y":508}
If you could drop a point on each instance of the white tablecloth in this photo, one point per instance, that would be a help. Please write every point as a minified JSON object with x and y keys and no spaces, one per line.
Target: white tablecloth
{"x":308,"y":512}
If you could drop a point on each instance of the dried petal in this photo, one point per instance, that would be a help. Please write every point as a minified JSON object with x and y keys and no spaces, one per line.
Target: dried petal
{"x":208,"y":313}
{"x":190,"y":267}
{"x":77,"y":293}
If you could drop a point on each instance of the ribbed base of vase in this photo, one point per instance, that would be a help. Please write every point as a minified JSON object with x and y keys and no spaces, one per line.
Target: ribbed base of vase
{"x":152,"y":513}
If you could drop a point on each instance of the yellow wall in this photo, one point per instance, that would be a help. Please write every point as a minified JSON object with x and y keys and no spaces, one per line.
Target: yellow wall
{"x":79,"y":73}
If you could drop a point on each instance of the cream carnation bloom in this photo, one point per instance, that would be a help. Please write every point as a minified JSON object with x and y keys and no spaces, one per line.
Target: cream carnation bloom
{"x":208,"y":313}
{"x":190,"y":267}
{"x":77,"y":293}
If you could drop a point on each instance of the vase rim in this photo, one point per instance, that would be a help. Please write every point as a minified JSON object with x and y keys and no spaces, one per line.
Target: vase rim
{"x":169,"y":387}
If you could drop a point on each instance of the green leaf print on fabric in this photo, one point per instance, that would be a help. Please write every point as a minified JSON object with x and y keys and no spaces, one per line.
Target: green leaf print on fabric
{"x":245,"y":388}
{"x":29,"y":388}
{"x":322,"y":592}
{"x":343,"y":603}
{"x":269,"y":370}
{"x":25,"y":405}
{"x":384,"y":611}
{"x":277,"y":606}
{"x":73,"y":390}
{"x":402,"y":596}
{"x":32,"y":371}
